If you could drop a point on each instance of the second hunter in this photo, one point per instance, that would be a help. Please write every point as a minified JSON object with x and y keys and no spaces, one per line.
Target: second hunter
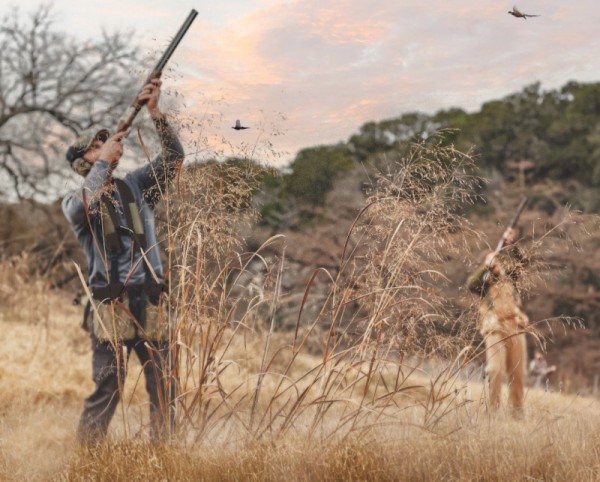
{"x":502,"y":321}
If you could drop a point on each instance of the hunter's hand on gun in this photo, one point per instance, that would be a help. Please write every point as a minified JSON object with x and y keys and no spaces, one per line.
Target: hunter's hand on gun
{"x":510,"y":236}
{"x":492,"y":263}
{"x":112,"y":150}
{"x":149,"y":96}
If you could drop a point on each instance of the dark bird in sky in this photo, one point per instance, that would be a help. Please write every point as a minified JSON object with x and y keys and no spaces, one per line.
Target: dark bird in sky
{"x":515,"y":12}
{"x":238,"y":126}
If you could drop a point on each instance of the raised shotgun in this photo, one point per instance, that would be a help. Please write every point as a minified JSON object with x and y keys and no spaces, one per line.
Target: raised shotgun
{"x":135,"y":107}
{"x":500,"y":245}
{"x":512,"y":224}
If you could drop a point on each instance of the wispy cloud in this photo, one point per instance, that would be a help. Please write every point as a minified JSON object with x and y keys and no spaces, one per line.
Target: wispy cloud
{"x":328,"y":67}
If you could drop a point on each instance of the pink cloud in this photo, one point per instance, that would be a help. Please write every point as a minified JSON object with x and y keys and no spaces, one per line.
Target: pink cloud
{"x":331,"y":67}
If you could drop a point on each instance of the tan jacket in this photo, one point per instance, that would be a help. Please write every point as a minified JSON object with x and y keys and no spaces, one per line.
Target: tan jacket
{"x":500,"y":303}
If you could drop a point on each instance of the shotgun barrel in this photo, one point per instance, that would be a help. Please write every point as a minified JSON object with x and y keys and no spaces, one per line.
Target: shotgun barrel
{"x":135,"y":107}
{"x":500,"y":245}
{"x":513,"y":222}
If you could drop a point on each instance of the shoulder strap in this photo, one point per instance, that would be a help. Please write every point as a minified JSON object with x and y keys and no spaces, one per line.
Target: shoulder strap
{"x":112,"y":232}
{"x":110,"y":225}
{"x":132,"y":213}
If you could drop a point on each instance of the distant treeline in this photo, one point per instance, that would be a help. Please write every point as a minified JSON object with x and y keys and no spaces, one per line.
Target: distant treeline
{"x":551,"y":134}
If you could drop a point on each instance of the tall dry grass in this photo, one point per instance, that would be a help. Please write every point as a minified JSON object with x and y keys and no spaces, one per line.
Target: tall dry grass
{"x":562,"y":446}
{"x":384,"y":398}
{"x":382,"y":304}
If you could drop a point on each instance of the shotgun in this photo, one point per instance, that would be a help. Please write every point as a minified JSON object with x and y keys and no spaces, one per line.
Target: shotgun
{"x":512,"y":224}
{"x":502,"y":242}
{"x":135,"y":107}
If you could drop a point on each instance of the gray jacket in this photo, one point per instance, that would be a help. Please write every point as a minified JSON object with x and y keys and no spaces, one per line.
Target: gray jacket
{"x":146,"y":183}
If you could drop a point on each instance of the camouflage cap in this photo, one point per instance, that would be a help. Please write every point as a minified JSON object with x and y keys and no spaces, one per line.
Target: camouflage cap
{"x":84,"y":142}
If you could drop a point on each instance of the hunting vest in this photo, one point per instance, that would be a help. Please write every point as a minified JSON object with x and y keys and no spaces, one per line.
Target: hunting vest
{"x":142,"y":315}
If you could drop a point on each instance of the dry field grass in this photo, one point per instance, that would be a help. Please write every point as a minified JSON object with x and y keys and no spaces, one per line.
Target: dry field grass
{"x":45,"y":375}
{"x":370,"y":385}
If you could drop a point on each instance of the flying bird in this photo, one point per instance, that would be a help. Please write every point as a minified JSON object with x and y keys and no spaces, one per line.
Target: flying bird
{"x":515,"y":12}
{"x":238,"y":126}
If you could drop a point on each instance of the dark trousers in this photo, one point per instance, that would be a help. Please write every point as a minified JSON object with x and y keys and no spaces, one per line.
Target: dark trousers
{"x":100,"y":406}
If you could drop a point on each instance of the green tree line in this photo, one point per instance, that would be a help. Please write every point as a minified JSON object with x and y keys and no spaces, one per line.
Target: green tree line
{"x":555,"y":134}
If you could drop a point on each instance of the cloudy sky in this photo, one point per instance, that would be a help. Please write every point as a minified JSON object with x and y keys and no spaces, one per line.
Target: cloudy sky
{"x":310,"y":72}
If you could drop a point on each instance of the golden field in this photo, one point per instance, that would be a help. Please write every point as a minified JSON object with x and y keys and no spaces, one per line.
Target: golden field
{"x":366,"y":377}
{"x":45,"y":374}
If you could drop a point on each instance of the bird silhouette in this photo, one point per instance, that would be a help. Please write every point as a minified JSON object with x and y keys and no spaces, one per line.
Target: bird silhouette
{"x":238,"y":126}
{"x":515,"y":12}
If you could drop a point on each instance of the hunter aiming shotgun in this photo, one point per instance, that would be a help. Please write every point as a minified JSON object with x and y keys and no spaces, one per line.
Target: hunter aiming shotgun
{"x":511,"y":225}
{"x":135,"y":107}
{"x":114,"y":220}
{"x":502,"y":321}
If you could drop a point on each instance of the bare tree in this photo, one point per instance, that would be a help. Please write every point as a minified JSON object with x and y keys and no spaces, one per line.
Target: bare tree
{"x":53,"y":86}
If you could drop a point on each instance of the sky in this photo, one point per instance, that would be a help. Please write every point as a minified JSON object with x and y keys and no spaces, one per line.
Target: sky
{"x":303,"y":73}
